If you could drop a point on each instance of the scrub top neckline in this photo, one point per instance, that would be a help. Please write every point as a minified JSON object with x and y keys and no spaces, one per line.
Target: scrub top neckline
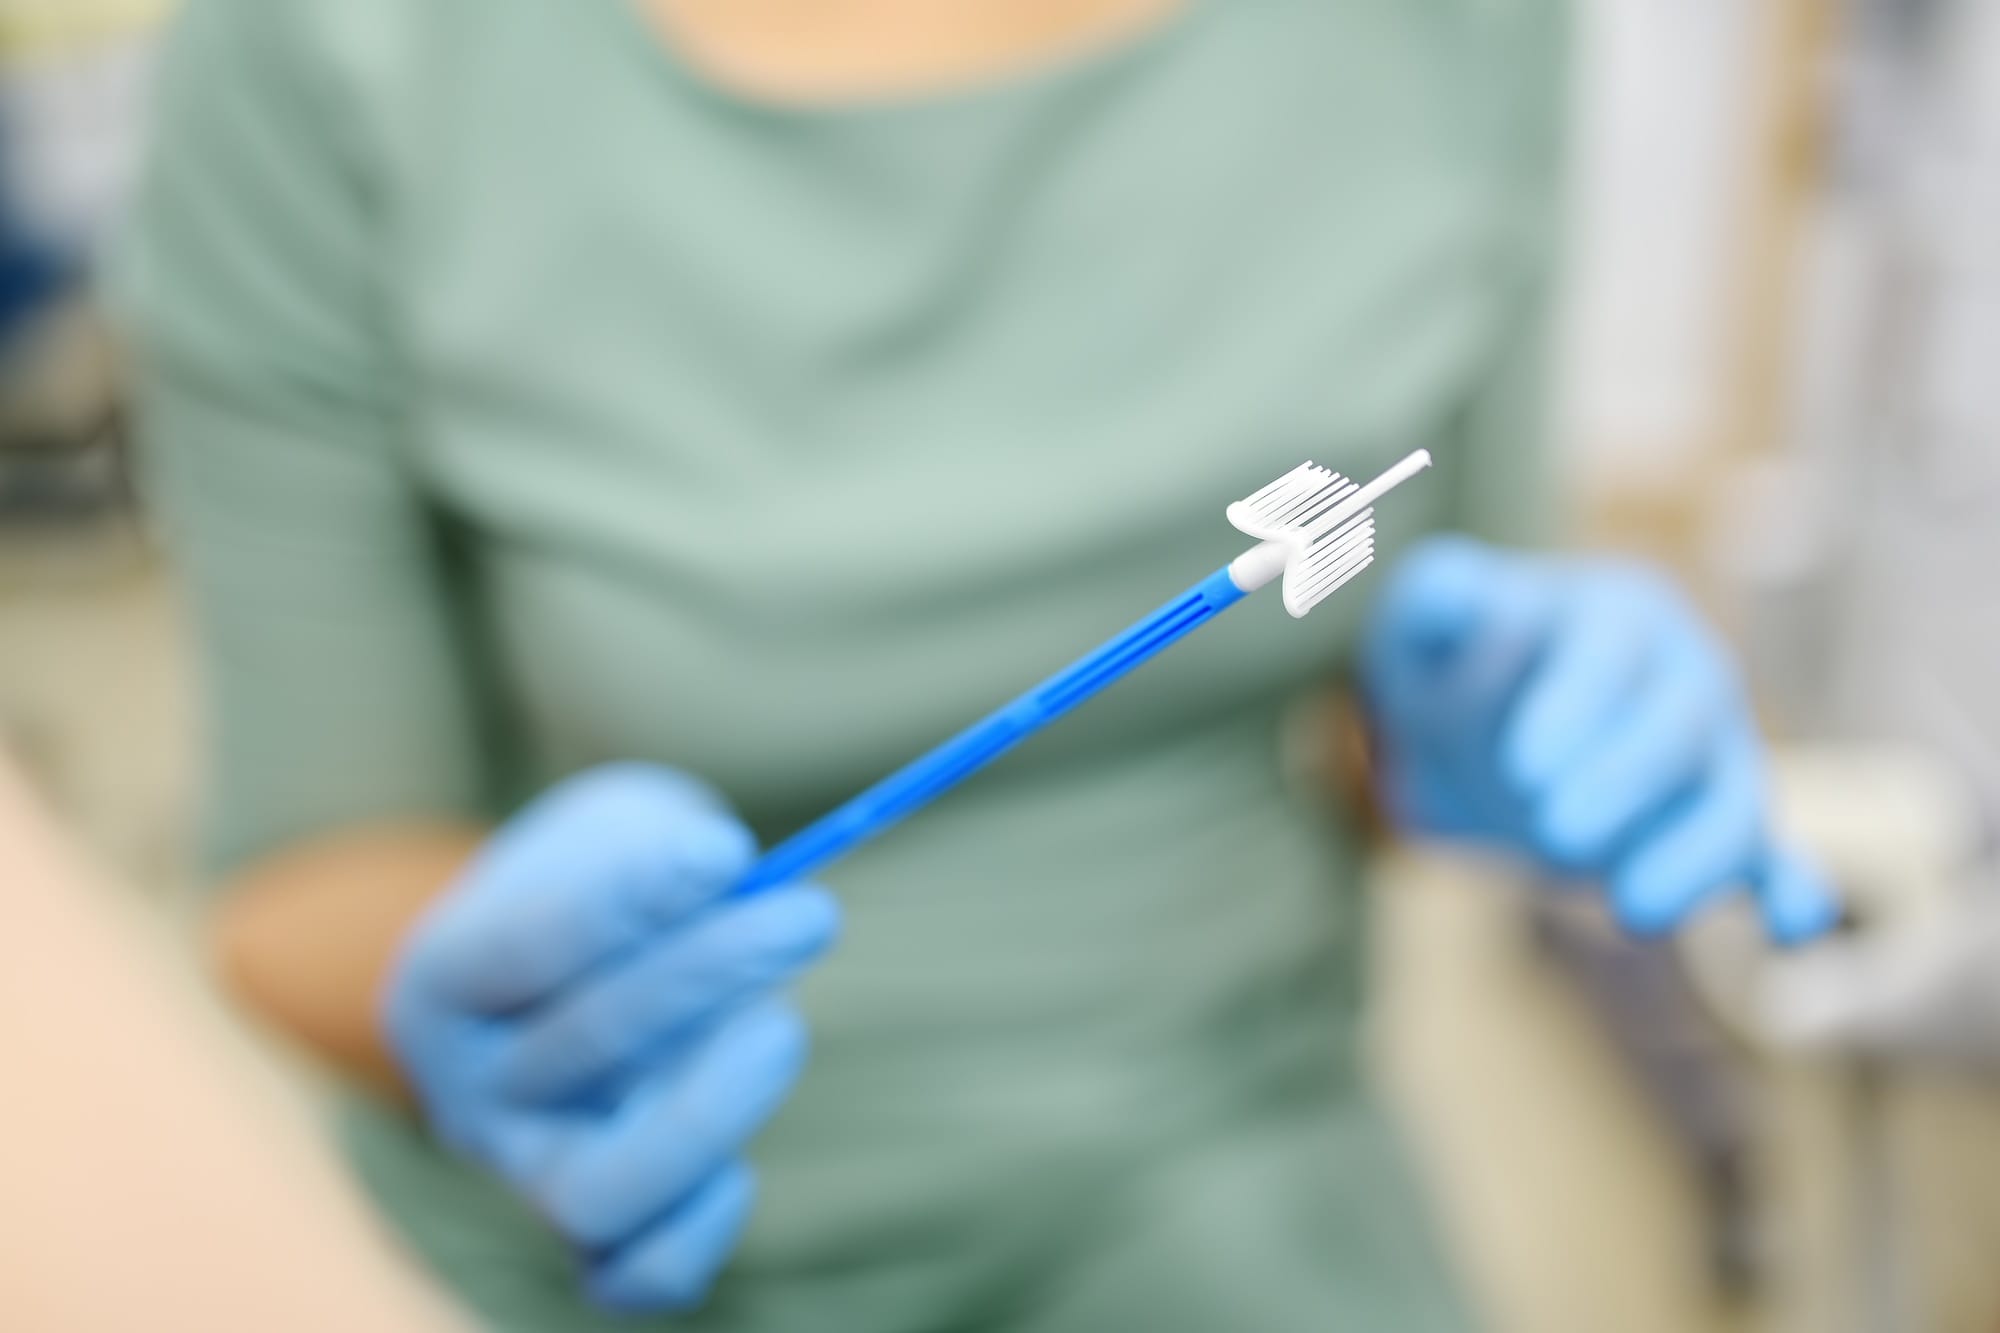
{"x":1043,"y":74}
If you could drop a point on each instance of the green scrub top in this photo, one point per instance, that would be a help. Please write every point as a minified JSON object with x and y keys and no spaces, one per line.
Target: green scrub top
{"x":522,"y":399}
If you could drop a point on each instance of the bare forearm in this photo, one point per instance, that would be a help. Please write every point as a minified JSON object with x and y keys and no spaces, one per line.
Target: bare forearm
{"x":305,"y":939}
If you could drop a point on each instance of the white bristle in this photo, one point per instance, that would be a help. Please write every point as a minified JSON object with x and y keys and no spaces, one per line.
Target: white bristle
{"x":1332,"y":561}
{"x":1292,"y":501}
{"x":1316,"y":523}
{"x":1303,"y":474}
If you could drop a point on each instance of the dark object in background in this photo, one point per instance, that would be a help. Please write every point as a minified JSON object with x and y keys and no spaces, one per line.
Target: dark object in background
{"x":1691,"y":1075}
{"x":63,"y":454}
{"x":30,"y":278}
{"x":62,"y":439}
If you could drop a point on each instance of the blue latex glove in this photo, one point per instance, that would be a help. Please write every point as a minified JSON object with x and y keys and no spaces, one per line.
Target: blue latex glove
{"x":591,"y":1016}
{"x":1577,"y":712}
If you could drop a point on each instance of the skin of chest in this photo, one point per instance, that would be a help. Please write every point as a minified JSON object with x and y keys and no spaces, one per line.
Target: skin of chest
{"x":841,"y":50}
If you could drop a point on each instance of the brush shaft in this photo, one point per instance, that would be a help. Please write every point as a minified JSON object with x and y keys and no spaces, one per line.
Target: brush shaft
{"x":924,"y":779}
{"x":1369,"y":494}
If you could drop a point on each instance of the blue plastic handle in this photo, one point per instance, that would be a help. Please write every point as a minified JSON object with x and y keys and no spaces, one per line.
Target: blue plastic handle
{"x":923,"y":780}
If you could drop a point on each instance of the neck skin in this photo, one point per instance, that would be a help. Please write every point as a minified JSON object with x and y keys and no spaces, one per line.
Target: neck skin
{"x":862,"y":50}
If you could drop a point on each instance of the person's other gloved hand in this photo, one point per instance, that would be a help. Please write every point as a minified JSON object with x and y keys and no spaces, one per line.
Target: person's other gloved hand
{"x":1577,"y":712}
{"x":589,"y":1014}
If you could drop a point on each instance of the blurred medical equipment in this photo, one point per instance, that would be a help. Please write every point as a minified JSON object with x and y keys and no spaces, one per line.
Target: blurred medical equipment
{"x":75,"y":77}
{"x":1902,"y":839}
{"x":28,"y":274}
{"x":1860,"y":564}
{"x":1919,"y":979}
{"x":1863,"y":560}
{"x":1864,"y":556}
{"x":73,"y":81}
{"x":1313,"y":526}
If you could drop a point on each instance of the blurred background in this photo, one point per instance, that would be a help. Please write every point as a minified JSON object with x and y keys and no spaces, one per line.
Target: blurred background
{"x":1781,"y":374}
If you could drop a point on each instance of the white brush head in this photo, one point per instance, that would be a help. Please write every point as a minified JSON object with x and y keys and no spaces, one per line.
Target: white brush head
{"x":1323,"y":523}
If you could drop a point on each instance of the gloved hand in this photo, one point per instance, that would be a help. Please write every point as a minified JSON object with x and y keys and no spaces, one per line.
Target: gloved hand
{"x":588,"y":1014}
{"x":1576,"y":712}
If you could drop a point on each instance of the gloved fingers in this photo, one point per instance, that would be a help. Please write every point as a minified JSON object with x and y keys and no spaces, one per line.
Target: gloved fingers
{"x":446,"y":1051}
{"x":1451,"y":641}
{"x":1647,"y":756}
{"x":1456,"y":616}
{"x":1797,"y":902}
{"x":615,"y":1173}
{"x":1435,"y":596}
{"x":730,"y":954}
{"x":519,"y":1143}
{"x":1712,"y":844}
{"x":595,"y":867}
{"x":671,"y":1265}
{"x":1597,"y":651}
{"x":1423,"y":806}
